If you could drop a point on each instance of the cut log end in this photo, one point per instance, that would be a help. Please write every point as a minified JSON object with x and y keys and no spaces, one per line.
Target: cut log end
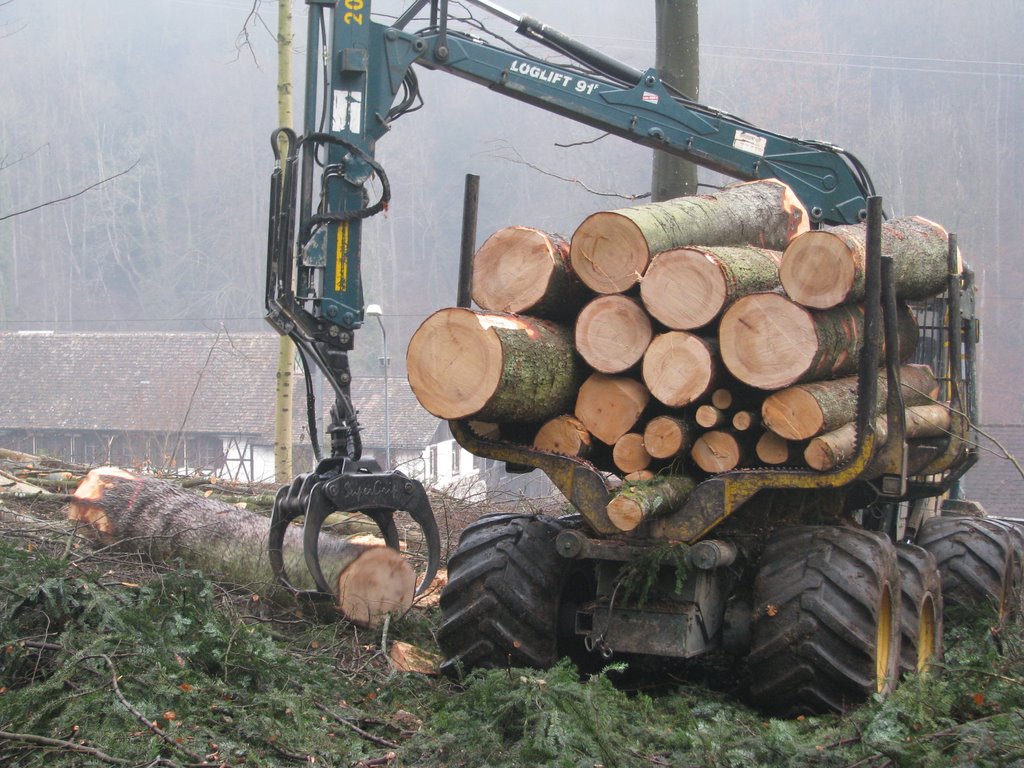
{"x":793,"y":414}
{"x":455,"y":362}
{"x":513,"y":269}
{"x":378,"y":582}
{"x":767,"y":341}
{"x":684,"y":288}
{"x":83,"y":507}
{"x":819,"y":269}
{"x":612,"y":333}
{"x":625,"y":513}
{"x":629,"y":453}
{"x":666,"y":437}
{"x":608,"y":252}
{"x":678,"y":368}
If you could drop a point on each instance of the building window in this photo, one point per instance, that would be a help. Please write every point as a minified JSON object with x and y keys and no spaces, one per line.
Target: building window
{"x":456,"y":455}
{"x":433,"y":462}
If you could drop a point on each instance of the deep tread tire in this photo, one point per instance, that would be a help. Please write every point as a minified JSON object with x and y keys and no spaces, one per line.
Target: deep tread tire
{"x":826,"y":629}
{"x":921,"y":626}
{"x":976,"y":559}
{"x":500,"y":606}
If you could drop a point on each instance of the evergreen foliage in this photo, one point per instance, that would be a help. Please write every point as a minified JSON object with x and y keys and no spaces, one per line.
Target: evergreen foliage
{"x":206,"y":672}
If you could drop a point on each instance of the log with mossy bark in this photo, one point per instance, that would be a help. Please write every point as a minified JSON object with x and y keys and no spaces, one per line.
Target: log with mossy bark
{"x":635,"y":503}
{"x":770,"y":342}
{"x":612,"y":333}
{"x":688,"y":288}
{"x":611,"y":250}
{"x":164,"y":520}
{"x":523,"y":270}
{"x":805,"y":410}
{"x":491,"y":366}
{"x":833,"y":448}
{"x":825,"y":267}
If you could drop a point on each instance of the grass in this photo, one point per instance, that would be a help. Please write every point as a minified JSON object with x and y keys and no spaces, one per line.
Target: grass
{"x":106,"y":660}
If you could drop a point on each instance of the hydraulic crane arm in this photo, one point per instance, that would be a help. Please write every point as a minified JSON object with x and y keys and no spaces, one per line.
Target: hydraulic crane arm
{"x":360,"y":77}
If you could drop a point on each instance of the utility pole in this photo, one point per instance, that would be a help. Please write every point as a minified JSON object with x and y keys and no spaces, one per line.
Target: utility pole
{"x":677,"y":48}
{"x":286,"y":349}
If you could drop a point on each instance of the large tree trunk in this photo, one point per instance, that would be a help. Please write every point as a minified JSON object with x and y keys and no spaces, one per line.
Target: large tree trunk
{"x":492,"y":367}
{"x":611,"y":250}
{"x":523,"y":270}
{"x":165,"y":521}
{"x":825,"y":268}
{"x":828,"y":451}
{"x":770,"y":342}
{"x":687,"y":288}
{"x":609,"y":406}
{"x":810,"y":409}
{"x":612,"y":333}
{"x":680,"y":367}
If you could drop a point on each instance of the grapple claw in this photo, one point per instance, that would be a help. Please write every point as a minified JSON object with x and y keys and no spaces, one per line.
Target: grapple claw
{"x":349,"y":486}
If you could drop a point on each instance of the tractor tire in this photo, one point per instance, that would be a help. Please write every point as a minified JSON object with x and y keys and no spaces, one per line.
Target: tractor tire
{"x":501,"y":605}
{"x":1015,"y":528}
{"x":976,"y":559}
{"x":921,"y":625}
{"x":826,"y":629}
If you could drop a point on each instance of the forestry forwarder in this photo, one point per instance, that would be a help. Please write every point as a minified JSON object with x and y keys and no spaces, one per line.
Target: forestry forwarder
{"x":815,"y":608}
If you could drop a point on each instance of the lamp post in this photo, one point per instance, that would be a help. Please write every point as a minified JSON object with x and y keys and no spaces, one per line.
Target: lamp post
{"x":374,"y":310}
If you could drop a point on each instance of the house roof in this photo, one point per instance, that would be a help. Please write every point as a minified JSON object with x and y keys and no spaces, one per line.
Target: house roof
{"x":994,"y":481}
{"x":209,"y":382}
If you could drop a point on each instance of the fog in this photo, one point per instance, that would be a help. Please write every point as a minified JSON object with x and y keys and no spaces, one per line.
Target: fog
{"x":929,"y":95}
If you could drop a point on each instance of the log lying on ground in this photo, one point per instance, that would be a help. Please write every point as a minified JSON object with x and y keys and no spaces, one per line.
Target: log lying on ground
{"x":610,"y":250}
{"x":165,"y":520}
{"x":828,"y":451}
{"x":687,"y":288}
{"x":523,"y":270}
{"x":825,"y":268}
{"x":609,"y":406}
{"x":492,"y":367}
{"x":680,"y":367}
{"x":612,"y":333}
{"x":660,"y":496}
{"x":770,"y":342}
{"x":806,"y":410}
{"x":666,"y":437}
{"x":564,"y":434}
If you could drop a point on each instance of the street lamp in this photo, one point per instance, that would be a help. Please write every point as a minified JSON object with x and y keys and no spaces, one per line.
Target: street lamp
{"x":374,"y":310}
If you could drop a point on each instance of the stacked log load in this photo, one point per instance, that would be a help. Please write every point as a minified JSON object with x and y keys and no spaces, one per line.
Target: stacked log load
{"x":679,"y":339}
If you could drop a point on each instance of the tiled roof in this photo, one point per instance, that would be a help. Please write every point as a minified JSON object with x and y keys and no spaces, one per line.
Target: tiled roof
{"x":211,"y":383}
{"x":994,"y":481}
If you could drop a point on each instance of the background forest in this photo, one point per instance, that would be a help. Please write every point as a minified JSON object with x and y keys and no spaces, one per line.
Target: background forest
{"x":929,"y":95}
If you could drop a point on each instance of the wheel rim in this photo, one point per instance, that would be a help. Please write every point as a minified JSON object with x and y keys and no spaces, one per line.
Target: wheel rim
{"x":926,"y":636}
{"x":883,"y":642}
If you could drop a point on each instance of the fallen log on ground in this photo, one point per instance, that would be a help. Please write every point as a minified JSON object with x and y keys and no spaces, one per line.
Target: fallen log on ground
{"x":166,"y":521}
{"x":611,"y":250}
